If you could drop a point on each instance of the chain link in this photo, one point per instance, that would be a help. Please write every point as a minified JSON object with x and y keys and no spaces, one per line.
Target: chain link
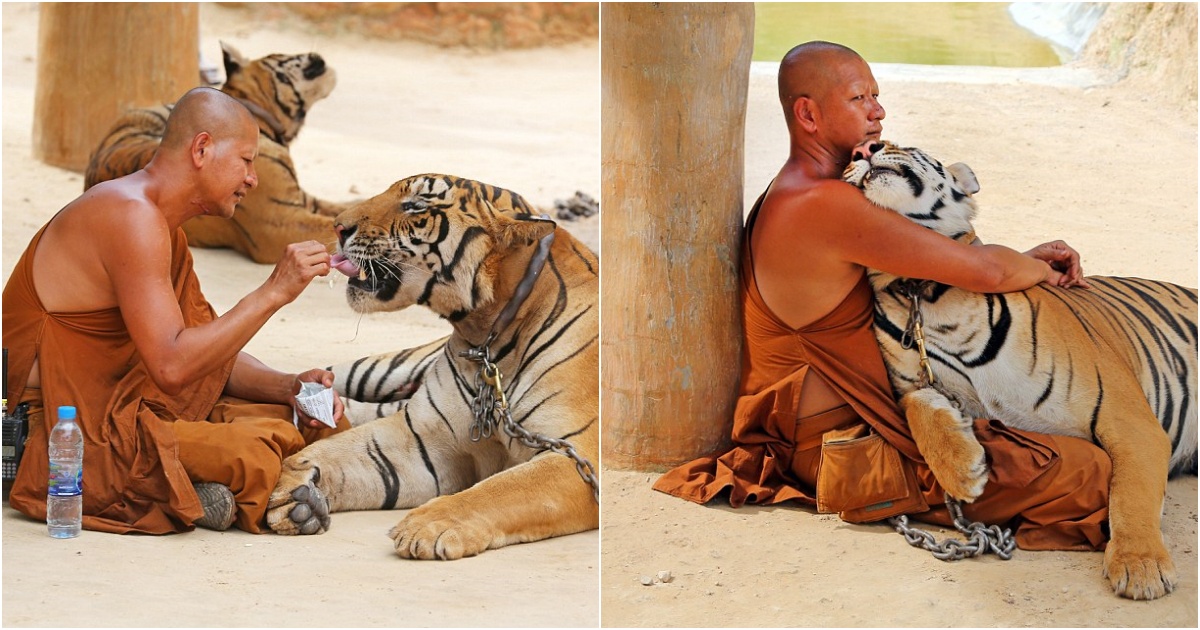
{"x":980,"y":538}
{"x":490,"y":409}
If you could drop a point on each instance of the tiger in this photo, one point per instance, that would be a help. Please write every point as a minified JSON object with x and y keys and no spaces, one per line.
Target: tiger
{"x":278,"y":90}
{"x":520,"y":294}
{"x":1115,"y":364}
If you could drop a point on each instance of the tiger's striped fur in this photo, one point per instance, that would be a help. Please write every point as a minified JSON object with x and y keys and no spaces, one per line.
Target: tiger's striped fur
{"x":377,"y":386}
{"x":1115,"y":364}
{"x":278,"y":90}
{"x":459,"y":248}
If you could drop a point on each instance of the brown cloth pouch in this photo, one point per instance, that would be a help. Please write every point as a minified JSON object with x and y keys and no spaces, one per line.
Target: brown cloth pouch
{"x":864,"y":478}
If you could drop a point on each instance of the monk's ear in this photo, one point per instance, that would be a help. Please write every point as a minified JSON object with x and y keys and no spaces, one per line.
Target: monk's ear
{"x":201,"y":148}
{"x":804,"y":113}
{"x":524,"y":230}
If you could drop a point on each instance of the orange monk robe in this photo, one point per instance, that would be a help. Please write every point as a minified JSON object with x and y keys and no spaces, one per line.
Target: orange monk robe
{"x":1056,"y":488}
{"x":142,"y":447}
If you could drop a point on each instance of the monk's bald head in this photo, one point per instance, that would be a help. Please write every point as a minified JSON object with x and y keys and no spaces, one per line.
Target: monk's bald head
{"x":810,"y":70}
{"x":206,"y":109}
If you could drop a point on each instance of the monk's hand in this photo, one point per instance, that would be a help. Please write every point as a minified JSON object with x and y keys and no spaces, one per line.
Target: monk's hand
{"x":324,"y":377}
{"x":1066,"y":270}
{"x":301,"y":262}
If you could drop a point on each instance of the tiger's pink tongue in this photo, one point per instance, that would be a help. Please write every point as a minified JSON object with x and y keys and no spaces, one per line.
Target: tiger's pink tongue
{"x":344,"y":265}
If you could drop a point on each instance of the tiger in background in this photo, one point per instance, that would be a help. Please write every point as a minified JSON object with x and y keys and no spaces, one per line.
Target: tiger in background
{"x":521,"y":288}
{"x":278,"y":90}
{"x":1115,"y":364}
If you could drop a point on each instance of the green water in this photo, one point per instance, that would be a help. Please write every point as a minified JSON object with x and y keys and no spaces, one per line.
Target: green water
{"x":933,"y":33}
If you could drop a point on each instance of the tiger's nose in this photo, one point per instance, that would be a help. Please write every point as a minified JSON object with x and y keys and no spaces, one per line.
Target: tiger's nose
{"x":865,"y":150}
{"x":315,"y":68}
{"x":344,"y":232}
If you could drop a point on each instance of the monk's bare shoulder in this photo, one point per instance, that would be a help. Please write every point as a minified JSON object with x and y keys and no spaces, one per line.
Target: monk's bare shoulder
{"x":117,"y":227}
{"x":119,"y":209}
{"x":808,"y":205}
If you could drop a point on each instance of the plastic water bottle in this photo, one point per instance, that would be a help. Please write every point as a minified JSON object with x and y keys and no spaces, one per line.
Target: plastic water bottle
{"x":64,"y":498}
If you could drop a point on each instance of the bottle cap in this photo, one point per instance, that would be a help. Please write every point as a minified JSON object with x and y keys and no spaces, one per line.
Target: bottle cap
{"x":66,"y":413}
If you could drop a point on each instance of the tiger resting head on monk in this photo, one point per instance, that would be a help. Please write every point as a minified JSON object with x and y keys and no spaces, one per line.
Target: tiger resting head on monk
{"x":1114,"y":364}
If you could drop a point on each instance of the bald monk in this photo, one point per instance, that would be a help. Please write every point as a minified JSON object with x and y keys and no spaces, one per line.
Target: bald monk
{"x":812,"y":371}
{"x":104,"y":312}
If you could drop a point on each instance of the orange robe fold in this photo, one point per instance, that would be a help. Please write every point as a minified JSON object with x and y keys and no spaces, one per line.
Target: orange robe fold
{"x":136,"y":464}
{"x":1056,"y":488}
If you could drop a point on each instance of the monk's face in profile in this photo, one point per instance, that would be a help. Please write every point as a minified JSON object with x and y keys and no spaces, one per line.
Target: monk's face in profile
{"x":849,"y":112}
{"x":228,"y":174}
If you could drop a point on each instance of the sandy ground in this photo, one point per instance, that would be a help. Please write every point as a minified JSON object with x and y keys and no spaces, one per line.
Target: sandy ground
{"x":1059,"y":154}
{"x":527,"y":121}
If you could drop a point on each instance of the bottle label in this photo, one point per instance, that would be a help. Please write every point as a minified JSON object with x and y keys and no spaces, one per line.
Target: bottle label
{"x":65,"y":481}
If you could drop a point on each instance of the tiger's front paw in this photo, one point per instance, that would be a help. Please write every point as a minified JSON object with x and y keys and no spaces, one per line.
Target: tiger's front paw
{"x":1139,"y":570}
{"x":297,"y":506}
{"x":436,"y":531}
{"x":946,"y":439}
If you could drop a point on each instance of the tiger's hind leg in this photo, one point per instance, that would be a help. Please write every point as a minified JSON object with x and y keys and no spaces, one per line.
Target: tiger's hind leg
{"x":1136,"y":561}
{"x":947,"y":440}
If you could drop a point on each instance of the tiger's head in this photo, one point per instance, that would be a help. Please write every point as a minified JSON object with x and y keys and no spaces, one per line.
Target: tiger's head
{"x":906,"y":180}
{"x":454,"y":245}
{"x":278,"y":89}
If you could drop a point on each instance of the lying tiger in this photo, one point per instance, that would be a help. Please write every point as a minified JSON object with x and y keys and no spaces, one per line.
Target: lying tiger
{"x":1115,"y":364}
{"x":518,"y":291}
{"x":278,"y":90}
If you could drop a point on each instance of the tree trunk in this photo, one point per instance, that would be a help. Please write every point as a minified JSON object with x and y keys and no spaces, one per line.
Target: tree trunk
{"x":96,"y":60}
{"x":674,"y":87}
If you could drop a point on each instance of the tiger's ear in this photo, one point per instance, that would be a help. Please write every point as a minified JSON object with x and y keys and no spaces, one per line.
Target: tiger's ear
{"x":234,"y":61}
{"x":964,"y":176}
{"x":524,"y":231}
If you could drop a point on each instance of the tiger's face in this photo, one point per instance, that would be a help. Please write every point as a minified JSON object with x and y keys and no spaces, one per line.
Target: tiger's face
{"x":285,"y":86}
{"x":906,"y":180}
{"x":435,"y":240}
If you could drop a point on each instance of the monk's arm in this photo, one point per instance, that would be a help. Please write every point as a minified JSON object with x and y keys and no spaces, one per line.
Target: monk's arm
{"x":253,"y":380}
{"x":139,"y":265}
{"x":873,"y":237}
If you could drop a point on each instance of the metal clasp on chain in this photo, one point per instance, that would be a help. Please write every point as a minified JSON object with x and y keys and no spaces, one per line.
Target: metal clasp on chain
{"x":914,"y":332}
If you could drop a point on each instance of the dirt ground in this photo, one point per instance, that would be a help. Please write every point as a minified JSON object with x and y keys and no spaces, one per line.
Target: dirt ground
{"x":524,"y":120}
{"x":1059,"y":154}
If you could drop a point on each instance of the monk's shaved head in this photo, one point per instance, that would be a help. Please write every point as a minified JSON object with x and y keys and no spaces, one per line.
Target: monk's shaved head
{"x":205,"y":109}
{"x":809,"y":70}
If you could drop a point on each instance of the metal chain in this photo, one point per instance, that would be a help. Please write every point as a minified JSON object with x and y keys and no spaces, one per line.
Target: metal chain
{"x":914,"y":331}
{"x":980,"y":538}
{"x":490,"y":409}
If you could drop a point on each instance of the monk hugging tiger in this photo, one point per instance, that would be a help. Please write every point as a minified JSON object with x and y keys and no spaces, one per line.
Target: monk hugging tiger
{"x":496,"y":437}
{"x":1115,"y":364}
{"x":278,"y":90}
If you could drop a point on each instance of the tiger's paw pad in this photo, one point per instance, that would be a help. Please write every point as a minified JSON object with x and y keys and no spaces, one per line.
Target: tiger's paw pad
{"x":424,"y":536}
{"x":302,"y":510}
{"x":1139,"y":574}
